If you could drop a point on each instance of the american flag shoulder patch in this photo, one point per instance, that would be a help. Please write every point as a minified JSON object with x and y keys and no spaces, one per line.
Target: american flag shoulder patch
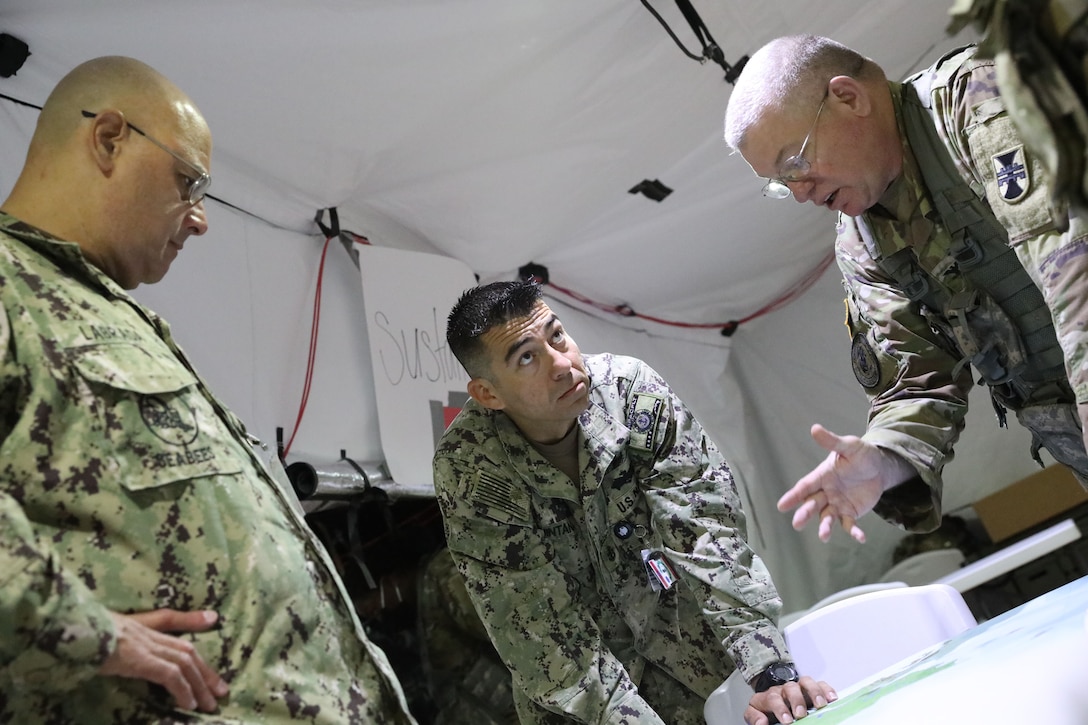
{"x":498,"y":495}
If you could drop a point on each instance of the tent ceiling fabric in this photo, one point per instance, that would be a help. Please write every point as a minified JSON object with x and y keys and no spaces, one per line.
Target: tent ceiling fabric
{"x":500,"y":133}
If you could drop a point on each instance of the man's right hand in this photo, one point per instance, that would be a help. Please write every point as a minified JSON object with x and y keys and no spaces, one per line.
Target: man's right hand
{"x":847,"y":484}
{"x":146,"y":652}
{"x":789,"y":702}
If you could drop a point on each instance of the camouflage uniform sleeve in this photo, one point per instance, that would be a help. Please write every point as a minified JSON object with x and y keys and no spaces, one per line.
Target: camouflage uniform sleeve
{"x":916,"y":406}
{"x":1051,"y":244}
{"x":1059,"y":263}
{"x":695,"y":508}
{"x":551,"y":645}
{"x":53,"y":634}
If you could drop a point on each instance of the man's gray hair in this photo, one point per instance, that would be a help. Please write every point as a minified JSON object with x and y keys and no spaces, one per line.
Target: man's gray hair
{"x":789,"y":75}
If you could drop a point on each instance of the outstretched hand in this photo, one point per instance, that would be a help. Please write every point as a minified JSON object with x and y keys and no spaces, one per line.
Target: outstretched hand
{"x":846,"y":484}
{"x":145,"y":652}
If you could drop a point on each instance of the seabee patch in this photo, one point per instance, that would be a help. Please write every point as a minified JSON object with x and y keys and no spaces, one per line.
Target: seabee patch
{"x":863,"y":361}
{"x":1013,"y":181}
{"x":170,"y":419}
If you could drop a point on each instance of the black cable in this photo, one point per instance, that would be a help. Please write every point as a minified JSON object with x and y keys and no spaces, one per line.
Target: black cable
{"x":259,"y":218}
{"x":711,"y":51}
{"x":21,"y":103}
{"x":697,"y":25}
{"x":672,"y":35}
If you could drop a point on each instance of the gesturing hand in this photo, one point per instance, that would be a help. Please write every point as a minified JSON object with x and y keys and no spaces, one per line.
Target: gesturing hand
{"x":146,"y":652}
{"x":846,"y":484}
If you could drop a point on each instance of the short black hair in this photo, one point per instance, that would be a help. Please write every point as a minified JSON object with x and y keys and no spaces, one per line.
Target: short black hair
{"x":481,"y":308}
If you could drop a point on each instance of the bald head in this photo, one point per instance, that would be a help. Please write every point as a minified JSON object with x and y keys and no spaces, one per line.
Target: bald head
{"x":115,"y":151}
{"x":110,"y":82}
{"x":788,"y":76}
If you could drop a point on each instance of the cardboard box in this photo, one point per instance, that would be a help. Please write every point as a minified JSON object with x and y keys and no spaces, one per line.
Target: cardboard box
{"x":1030,"y":501}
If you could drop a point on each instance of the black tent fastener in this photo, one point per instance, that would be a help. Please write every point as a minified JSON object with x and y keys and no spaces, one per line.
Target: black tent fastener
{"x":535,"y":272}
{"x":711,"y":51}
{"x":13,"y":53}
{"x":333,"y":228}
{"x":651,"y":189}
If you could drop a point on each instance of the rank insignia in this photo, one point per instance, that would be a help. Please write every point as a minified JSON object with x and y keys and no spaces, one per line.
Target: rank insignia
{"x":1012,"y":174}
{"x":864,"y":362}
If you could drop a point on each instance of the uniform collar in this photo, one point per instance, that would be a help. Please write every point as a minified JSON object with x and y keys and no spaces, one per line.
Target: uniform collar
{"x":906,"y":196}
{"x":66,"y":255}
{"x":903,"y":216}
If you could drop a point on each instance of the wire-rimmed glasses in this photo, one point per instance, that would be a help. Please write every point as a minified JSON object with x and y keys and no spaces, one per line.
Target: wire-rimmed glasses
{"x":796,"y":167}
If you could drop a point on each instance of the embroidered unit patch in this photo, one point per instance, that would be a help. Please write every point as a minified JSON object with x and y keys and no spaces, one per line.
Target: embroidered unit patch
{"x":643,"y":418}
{"x":1012,"y":174}
{"x":863,"y":360}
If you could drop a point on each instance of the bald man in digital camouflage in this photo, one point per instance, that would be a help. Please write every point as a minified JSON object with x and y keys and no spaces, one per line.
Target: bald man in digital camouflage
{"x":154,"y":567}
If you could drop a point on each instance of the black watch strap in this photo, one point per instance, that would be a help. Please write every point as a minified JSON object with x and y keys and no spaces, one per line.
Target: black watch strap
{"x":777,"y":673}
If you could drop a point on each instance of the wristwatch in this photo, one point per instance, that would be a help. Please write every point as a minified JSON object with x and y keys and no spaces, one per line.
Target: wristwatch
{"x":778,"y":673}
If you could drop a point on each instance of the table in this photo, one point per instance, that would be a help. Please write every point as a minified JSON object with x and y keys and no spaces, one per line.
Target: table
{"x":1011,"y":557}
{"x":1028,"y":665}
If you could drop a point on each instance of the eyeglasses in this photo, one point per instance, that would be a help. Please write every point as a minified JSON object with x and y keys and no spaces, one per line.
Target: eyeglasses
{"x":794,"y":168}
{"x":197,"y":182}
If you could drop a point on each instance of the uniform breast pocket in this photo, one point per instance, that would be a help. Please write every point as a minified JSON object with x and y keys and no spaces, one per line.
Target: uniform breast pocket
{"x":158,"y":427}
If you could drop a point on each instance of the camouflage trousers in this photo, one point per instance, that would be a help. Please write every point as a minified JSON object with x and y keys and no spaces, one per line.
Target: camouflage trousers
{"x":1058,"y":429}
{"x":672,"y":702}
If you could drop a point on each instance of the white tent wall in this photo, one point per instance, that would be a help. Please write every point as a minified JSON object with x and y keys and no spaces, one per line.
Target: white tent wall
{"x":502,"y":133}
{"x":240,"y":301}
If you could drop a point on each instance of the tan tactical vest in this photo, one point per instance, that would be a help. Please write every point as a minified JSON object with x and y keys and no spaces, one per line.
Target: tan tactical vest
{"x":999,"y":321}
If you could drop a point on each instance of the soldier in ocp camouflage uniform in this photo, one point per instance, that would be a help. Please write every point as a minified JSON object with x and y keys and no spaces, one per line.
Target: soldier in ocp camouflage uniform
{"x":932,"y":186}
{"x":599,"y":530}
{"x":144,"y":544}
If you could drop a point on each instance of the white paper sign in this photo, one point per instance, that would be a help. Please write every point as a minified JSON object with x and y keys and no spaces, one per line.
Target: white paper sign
{"x":419,"y":385}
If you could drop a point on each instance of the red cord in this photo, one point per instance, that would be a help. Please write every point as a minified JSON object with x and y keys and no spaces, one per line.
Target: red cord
{"x":314,"y":325}
{"x":312,"y":354}
{"x":794,"y":292}
{"x":623,"y":310}
{"x":790,"y":295}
